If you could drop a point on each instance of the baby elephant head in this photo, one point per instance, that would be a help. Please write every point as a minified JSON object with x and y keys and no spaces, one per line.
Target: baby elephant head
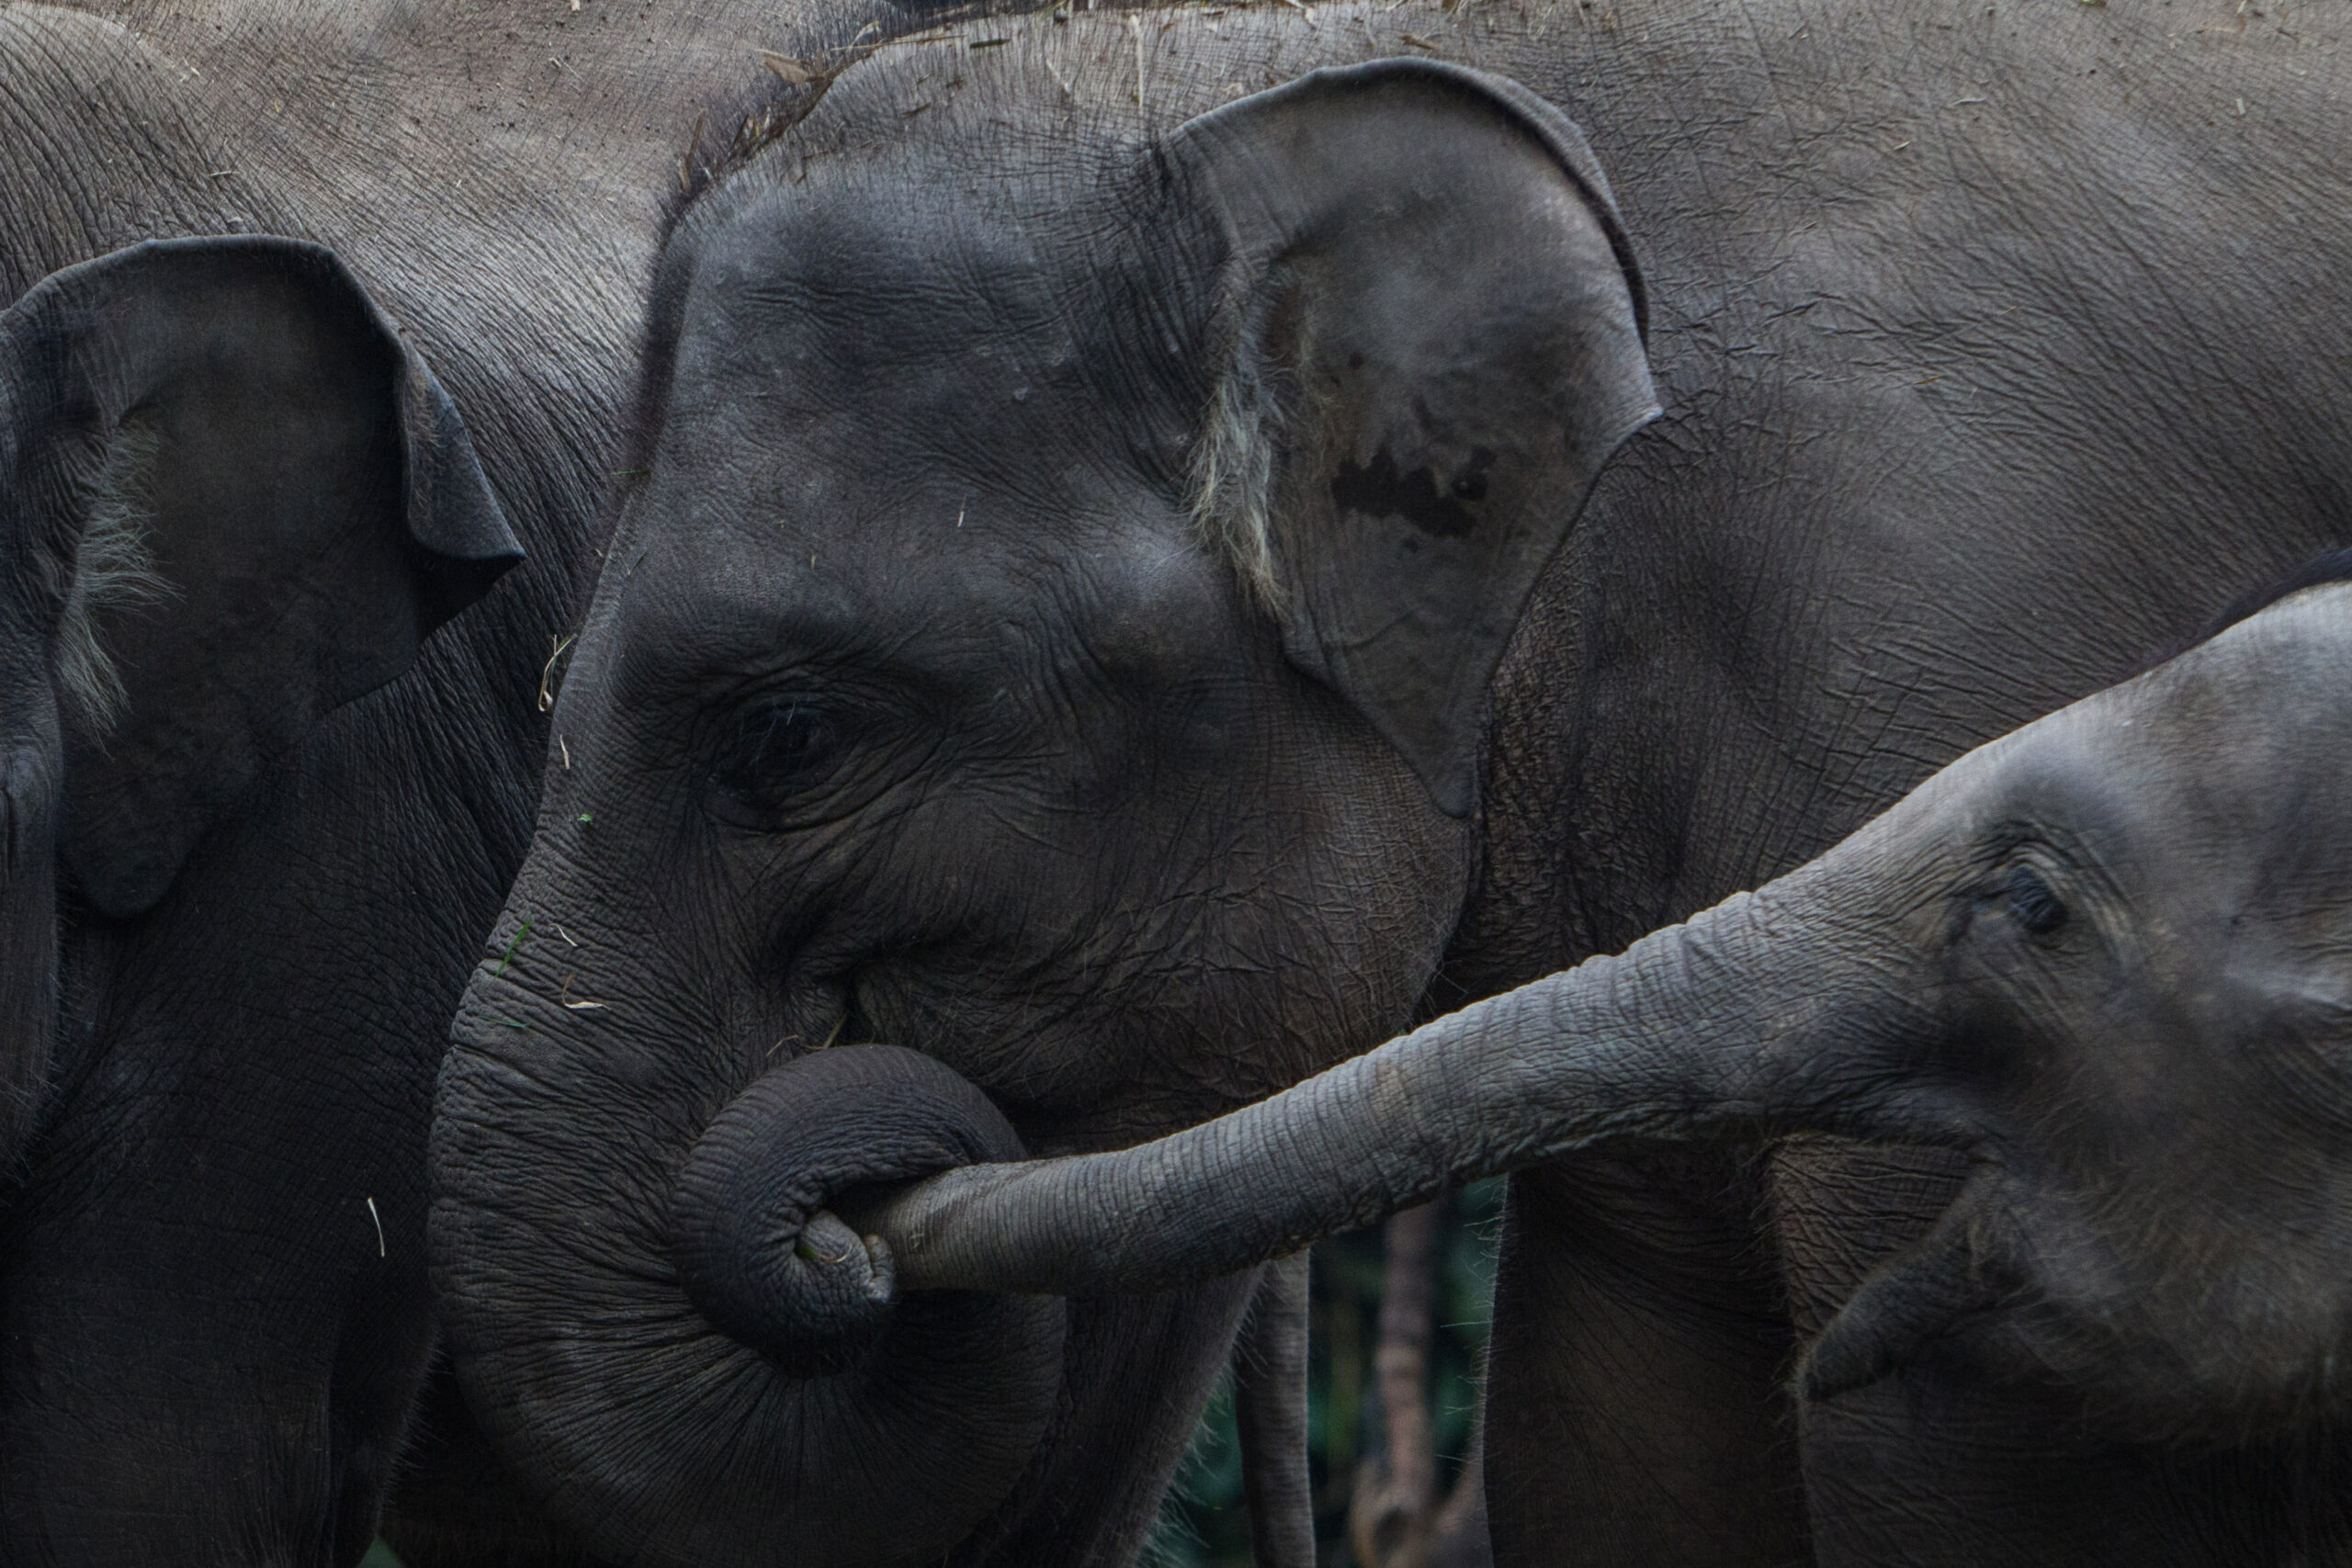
{"x":2138,"y":988}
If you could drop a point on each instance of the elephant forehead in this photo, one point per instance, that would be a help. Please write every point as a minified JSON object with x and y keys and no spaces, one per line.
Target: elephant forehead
{"x":2297,"y":650}
{"x":930,"y":577}
{"x":884,"y":276}
{"x":910,"y":250}
{"x":884,"y":425}
{"x":841,"y":348}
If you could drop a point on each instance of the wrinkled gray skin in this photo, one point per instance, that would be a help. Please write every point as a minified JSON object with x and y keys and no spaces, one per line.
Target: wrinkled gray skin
{"x":2110,"y":956}
{"x":915,"y":706}
{"x":240,"y":894}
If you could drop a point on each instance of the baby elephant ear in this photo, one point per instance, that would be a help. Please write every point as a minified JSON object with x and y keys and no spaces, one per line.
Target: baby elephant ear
{"x":231,"y":499}
{"x":1431,"y":328}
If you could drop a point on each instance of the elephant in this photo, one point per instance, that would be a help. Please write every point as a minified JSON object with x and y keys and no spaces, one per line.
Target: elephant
{"x":1125,"y":583}
{"x":315,"y":323}
{"x":2105,"y":956}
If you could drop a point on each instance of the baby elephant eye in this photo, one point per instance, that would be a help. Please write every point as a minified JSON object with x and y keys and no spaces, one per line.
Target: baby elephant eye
{"x":2032,"y":901}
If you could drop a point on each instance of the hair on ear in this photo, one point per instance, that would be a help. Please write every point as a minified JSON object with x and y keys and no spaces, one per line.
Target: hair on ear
{"x":1233,"y":467}
{"x":113,"y":570}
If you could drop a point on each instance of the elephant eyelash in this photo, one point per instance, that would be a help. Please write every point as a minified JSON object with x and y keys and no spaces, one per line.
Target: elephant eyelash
{"x":2034,"y":903}
{"x":780,"y":743}
{"x":787,"y":763}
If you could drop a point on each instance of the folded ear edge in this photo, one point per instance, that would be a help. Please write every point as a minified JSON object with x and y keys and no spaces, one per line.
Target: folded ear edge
{"x":452,"y":511}
{"x":79,"y":361}
{"x":1530,"y":111}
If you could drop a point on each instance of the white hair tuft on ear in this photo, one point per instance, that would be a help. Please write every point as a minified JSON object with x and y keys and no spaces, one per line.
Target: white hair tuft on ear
{"x":113,"y":569}
{"x":1233,"y":472}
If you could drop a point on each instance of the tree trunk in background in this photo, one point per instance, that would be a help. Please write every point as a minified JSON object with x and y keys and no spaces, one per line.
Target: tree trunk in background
{"x":1395,"y":1519}
{"x":1459,"y":1538}
{"x":1370,"y":1300}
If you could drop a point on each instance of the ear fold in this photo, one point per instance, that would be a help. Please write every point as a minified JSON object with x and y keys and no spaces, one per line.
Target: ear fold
{"x":1431,"y":326}
{"x":231,"y":499}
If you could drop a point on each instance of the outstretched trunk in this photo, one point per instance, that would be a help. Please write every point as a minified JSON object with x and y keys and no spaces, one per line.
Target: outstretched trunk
{"x":657,"y":1307}
{"x":1752,"y":1018}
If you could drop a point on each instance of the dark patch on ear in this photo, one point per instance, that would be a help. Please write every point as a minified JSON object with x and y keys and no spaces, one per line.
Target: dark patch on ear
{"x":1378,"y":489}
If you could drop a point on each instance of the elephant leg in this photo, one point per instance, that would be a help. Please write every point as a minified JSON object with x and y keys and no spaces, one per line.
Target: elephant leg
{"x":1270,"y":1407}
{"x":1636,"y":1412}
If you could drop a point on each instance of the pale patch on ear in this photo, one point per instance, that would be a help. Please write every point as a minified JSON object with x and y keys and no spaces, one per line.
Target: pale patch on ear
{"x":1234,"y":462}
{"x":113,"y":570}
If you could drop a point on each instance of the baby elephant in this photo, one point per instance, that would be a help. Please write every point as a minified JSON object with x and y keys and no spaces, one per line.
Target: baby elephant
{"x":2109,"y":955}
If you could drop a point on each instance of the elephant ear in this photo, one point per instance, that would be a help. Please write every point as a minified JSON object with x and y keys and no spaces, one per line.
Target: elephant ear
{"x":231,"y":499}
{"x":1429,"y":332}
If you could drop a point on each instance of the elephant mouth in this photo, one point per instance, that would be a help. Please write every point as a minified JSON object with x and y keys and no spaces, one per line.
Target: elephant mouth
{"x":694,"y":1360}
{"x":759,"y":1245}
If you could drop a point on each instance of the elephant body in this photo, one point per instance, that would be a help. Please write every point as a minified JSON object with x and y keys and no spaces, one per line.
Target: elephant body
{"x":958,"y":681}
{"x":1936,"y":461}
{"x":1946,"y":446}
{"x":213,"y":1310}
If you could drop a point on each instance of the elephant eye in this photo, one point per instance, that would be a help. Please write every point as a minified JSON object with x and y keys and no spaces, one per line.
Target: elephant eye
{"x":2032,"y":901}
{"x":779,"y":745}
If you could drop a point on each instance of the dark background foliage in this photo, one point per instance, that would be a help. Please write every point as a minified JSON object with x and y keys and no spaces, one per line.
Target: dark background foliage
{"x":1205,"y":1526}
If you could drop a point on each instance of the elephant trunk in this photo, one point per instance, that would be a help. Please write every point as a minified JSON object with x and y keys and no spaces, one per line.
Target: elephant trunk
{"x":666,"y":1334}
{"x":1759,"y":1015}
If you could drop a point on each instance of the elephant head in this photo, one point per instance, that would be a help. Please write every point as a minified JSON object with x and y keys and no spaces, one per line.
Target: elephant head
{"x":2110,"y":955}
{"x":1047,"y":627}
{"x":232,"y":499}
